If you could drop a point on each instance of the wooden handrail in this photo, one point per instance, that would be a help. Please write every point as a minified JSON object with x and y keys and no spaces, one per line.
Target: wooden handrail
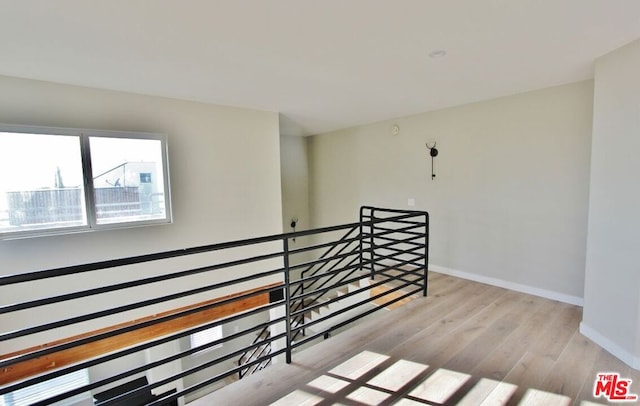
{"x":83,"y":352}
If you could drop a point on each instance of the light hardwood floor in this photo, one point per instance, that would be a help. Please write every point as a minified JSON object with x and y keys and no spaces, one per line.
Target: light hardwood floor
{"x":466,"y":343}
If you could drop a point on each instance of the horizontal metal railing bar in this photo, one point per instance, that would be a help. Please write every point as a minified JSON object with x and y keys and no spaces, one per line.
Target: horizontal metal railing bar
{"x":94,"y":266}
{"x":400,"y":263}
{"x":398,"y":252}
{"x":396,"y":265}
{"x":390,"y":233}
{"x":385,"y":210}
{"x":353,"y":265}
{"x":416,"y":234}
{"x":314,"y":278}
{"x":142,"y":368}
{"x":411,"y":262}
{"x":396,"y":217}
{"x":322,"y":291}
{"x":399,"y":268}
{"x":321,"y":267}
{"x":131,"y":284}
{"x":325,"y":260}
{"x":412,"y":254}
{"x":74,"y":269}
{"x":355,"y":253}
{"x":352,"y":293}
{"x":341,"y":227}
{"x":389,"y":252}
{"x":400,"y":219}
{"x":420,"y":244}
{"x":351,"y":307}
{"x":417,"y":257}
{"x":367,"y":238}
{"x":412,"y":240}
{"x":408,"y":240}
{"x":49,"y":350}
{"x":182,"y":374}
{"x":401,"y":225}
{"x":414,"y":222}
{"x":393,"y":253}
{"x":344,"y":239}
{"x":381,"y":231}
{"x":121,"y":309}
{"x":409,"y":220}
{"x":417,"y":281}
{"x":132,"y":306}
{"x":315,"y":247}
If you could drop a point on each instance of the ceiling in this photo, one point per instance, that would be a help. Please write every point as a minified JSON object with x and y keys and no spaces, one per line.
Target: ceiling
{"x":322,"y":64}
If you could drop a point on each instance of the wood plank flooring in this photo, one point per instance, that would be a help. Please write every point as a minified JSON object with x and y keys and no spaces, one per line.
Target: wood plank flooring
{"x":466,"y":343}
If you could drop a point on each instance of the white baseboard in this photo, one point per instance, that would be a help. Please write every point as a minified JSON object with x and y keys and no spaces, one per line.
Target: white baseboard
{"x":617,"y":351}
{"x":548,"y":294}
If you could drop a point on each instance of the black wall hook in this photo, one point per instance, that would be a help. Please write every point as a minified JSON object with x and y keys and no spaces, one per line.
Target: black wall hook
{"x":434,"y":153}
{"x":294,"y":222}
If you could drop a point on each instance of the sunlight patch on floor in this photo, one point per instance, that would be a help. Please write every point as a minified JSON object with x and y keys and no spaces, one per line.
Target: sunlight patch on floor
{"x":534,"y":397}
{"x":358,"y":365}
{"x":299,"y":398}
{"x":345,"y":384}
{"x":488,"y":392}
{"x":368,"y":396}
{"x":328,"y":384}
{"x":440,"y":386}
{"x":398,"y":375}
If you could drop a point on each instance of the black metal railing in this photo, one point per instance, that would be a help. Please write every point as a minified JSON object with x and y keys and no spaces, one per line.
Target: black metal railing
{"x":343,"y":274}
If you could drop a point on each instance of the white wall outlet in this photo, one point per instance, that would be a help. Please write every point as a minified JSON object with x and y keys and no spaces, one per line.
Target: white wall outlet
{"x":411,"y":202}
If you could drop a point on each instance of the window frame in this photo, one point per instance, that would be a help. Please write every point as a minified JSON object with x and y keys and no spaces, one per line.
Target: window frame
{"x":88,"y":195}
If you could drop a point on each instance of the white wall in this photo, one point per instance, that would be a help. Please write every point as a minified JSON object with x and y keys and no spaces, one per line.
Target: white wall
{"x":612,"y":285}
{"x":295,"y":182}
{"x":509,"y":202}
{"x":225,"y":181}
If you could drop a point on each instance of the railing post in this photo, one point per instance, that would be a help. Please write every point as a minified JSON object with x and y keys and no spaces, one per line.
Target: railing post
{"x":360,"y":256}
{"x":287,"y":296}
{"x":371,"y":249}
{"x":426,"y":253}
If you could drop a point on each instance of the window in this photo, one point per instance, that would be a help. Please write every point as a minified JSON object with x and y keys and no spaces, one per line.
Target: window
{"x":207,"y":336}
{"x":47,"y":389}
{"x":62,"y":180}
